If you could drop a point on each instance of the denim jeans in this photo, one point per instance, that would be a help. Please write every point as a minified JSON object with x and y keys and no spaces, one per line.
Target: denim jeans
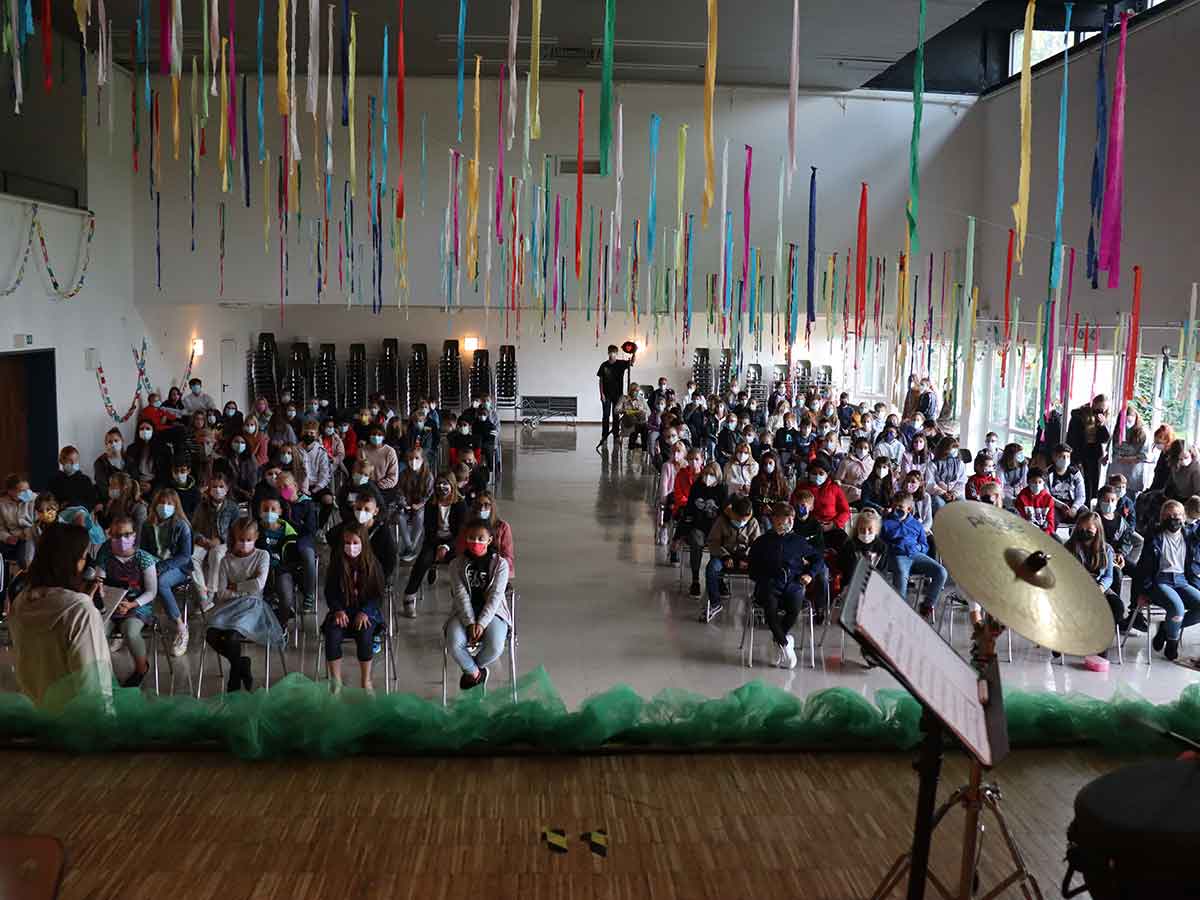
{"x":490,"y":647}
{"x":168,"y":580}
{"x":412,"y":533}
{"x":936,"y":502}
{"x":918,"y":564}
{"x":712,"y":578}
{"x":1179,"y":599}
{"x":308,"y":565}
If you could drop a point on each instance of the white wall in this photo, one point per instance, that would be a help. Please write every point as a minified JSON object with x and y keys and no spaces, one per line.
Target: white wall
{"x":1161,"y":180}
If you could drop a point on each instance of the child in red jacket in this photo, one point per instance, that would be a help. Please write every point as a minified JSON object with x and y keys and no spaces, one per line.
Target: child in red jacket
{"x":1035,"y":503}
{"x":830,"y":506}
{"x":985,"y":473}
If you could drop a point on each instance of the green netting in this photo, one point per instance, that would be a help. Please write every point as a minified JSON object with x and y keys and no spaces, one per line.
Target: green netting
{"x":299,"y":716}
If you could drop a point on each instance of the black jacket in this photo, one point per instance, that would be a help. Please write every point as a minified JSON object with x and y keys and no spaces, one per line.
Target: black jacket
{"x":704,"y":505}
{"x":73,"y":490}
{"x":778,"y":560}
{"x":458,"y":514}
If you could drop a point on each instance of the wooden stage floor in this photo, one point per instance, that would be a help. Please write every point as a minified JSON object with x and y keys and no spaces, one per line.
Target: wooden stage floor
{"x":720,"y":826}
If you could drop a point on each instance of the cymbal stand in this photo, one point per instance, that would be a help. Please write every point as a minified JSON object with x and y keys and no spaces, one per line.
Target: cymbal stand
{"x":974,"y":797}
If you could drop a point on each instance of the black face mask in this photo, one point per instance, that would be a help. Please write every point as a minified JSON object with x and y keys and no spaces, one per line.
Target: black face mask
{"x":1173,"y":525}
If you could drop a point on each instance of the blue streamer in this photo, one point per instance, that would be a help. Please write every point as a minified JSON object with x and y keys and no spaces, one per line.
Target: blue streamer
{"x":533,"y":228}
{"x":1099,"y":157}
{"x":383,"y":113}
{"x":345,"y":64}
{"x":262,"y":147}
{"x":652,"y":214}
{"x":245,"y":145}
{"x":1056,"y":250}
{"x":462,"y":37}
{"x":811,"y":307}
{"x":26,"y":23}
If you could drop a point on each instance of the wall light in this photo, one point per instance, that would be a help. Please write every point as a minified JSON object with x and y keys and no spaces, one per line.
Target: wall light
{"x":198,"y":346}
{"x":471,"y":344}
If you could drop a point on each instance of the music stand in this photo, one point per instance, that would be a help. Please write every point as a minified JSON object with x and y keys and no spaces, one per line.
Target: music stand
{"x":956,"y":698}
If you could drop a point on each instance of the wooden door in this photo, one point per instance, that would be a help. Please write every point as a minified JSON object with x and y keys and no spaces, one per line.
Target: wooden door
{"x":14,"y":399}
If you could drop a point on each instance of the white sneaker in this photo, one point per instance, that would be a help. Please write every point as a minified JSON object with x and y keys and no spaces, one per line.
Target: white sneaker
{"x":781,"y":657}
{"x":179,"y":643}
{"x":116,"y":645}
{"x":789,"y":651}
{"x":206,"y":602}
{"x":410,"y":606}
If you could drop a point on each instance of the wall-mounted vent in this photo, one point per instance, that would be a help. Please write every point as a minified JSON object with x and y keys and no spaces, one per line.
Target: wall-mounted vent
{"x":568,"y":165}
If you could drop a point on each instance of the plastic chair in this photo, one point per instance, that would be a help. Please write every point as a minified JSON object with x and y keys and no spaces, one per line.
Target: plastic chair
{"x":242,"y":643}
{"x":384,"y":630}
{"x":510,"y":646}
{"x":756,"y":615}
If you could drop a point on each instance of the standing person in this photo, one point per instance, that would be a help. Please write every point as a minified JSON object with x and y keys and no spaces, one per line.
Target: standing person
{"x":353,"y":591}
{"x":57,"y":631}
{"x":782,"y":566}
{"x":1161,"y":576}
{"x":241,"y":612}
{"x":612,"y":388}
{"x":908,"y":552}
{"x":1133,"y":454}
{"x":482,"y":619}
{"x":167,"y":536}
{"x":196,"y":399}
{"x":1088,"y":437}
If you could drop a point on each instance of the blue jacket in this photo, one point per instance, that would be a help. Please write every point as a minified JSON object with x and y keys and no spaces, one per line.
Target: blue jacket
{"x":781,"y":559}
{"x":1104,"y":577}
{"x":905,"y":537}
{"x":1146,"y":573}
{"x":175,"y":551}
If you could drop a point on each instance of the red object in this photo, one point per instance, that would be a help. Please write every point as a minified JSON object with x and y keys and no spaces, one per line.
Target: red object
{"x":1135,"y":318}
{"x":1039,"y":510}
{"x":48,"y":47}
{"x":164,"y":37}
{"x":860,"y":266}
{"x":830,"y":505}
{"x":684,"y":479}
{"x":975,"y":484}
{"x":578,"y":189}
{"x":158,"y":417}
{"x":503,"y":540}
{"x":400,"y":115}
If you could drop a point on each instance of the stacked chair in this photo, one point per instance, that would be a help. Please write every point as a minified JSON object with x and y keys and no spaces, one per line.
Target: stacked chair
{"x":387,"y":372}
{"x":450,"y":377}
{"x":325,"y":376}
{"x":356,"y":377}
{"x":755,"y":386}
{"x":506,"y":378}
{"x":725,"y":375}
{"x":479,"y":379}
{"x":417,"y":376}
{"x":264,"y":369}
{"x":702,"y":371}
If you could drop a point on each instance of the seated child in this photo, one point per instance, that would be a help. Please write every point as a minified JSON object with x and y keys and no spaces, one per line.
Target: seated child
{"x":481,"y":618}
{"x":241,"y":610}
{"x":864,"y":544}
{"x":908,"y":549}
{"x":215,"y":513}
{"x":354,"y":592}
{"x":729,"y":543}
{"x":985,"y":473}
{"x":121,"y":565}
{"x":782,"y":566}
{"x":1034,"y":502}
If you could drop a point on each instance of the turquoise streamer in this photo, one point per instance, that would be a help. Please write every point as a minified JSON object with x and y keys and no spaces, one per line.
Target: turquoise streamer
{"x":383,"y":113}
{"x":462,"y":37}
{"x":262,"y":146}
{"x":1056,"y":255}
{"x":652,"y":213}
{"x":914,"y":151}
{"x":606,"y":85}
{"x":753,"y":286}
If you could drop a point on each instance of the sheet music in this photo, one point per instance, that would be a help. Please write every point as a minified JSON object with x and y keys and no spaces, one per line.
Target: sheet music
{"x":112,"y":596}
{"x":935,"y":673}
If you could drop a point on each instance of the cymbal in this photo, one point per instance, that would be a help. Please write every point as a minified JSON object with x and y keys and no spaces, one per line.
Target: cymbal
{"x":1023,"y":577}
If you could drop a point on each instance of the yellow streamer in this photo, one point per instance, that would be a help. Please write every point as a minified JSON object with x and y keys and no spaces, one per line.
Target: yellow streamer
{"x":710,"y":87}
{"x":350,"y":91}
{"x":281,"y":64}
{"x":473,"y":190}
{"x":1021,"y":207}
{"x":681,"y":171}
{"x":175,"y":115}
{"x":223,"y":146}
{"x":535,"y":66}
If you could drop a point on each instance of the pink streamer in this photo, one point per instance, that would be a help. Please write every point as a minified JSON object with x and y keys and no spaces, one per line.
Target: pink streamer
{"x":554,"y":262}
{"x":746,"y":224}
{"x":500,"y":164}
{"x":1114,"y":177}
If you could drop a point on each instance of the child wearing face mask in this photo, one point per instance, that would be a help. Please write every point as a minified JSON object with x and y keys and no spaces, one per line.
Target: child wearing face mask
{"x":356,"y":485}
{"x":120,"y":564}
{"x":288,"y":459}
{"x":829,"y":507}
{"x":914,"y":485}
{"x":300,"y":512}
{"x":461,"y":439}
{"x":471,"y":477}
{"x":331,"y":440}
{"x":153,"y":413}
{"x":277,"y":536}
{"x":855,"y":469}
{"x":71,"y":486}
{"x":167,"y":536}
{"x":1034,"y":502}
{"x":676,"y":459}
{"x":124,"y":498}
{"x":481,"y":618}
{"x":1170,"y":555}
{"x":215,"y":514}
{"x":784,"y":568}
{"x":985,"y":473}
{"x":1066,"y":486}
{"x":890,"y":445}
{"x":241,"y":612}
{"x":768,"y":488}
{"x":485,"y":510}
{"x":727,"y":439}
{"x":707,"y":497}
{"x":16,"y":522}
{"x":879,"y":489}
{"x":443,"y":521}
{"x":316,"y":468}
{"x":908,"y":553}
{"x":112,"y":460}
{"x":184,"y":485}
{"x":1119,"y":532}
{"x":147,"y":459}
{"x":279,"y":430}
{"x":1013,"y":472}
{"x":729,"y":542}
{"x":383,"y":459}
{"x":790,"y":441}
{"x":1087,"y":545}
{"x":865,"y":544}
{"x":685,"y":476}
{"x":740,"y":471}
{"x":354,"y":591}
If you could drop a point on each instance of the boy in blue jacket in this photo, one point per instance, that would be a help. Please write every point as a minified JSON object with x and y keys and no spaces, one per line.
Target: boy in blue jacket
{"x":782,"y":566}
{"x":908,"y":549}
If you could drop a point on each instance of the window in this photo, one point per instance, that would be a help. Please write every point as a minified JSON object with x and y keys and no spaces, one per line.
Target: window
{"x":1046,"y":43}
{"x":872,"y":372}
{"x":998,"y":410}
{"x":1173,"y":404}
{"x":1028,"y":373}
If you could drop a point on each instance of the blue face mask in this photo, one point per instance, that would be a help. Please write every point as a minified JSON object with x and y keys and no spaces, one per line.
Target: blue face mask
{"x":70,"y":468}
{"x":26,"y":496}
{"x":270,"y":517}
{"x":166,"y":510}
{"x":195,"y":388}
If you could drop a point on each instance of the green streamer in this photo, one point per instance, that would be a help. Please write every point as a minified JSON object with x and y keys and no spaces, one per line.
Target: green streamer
{"x":606,"y":79}
{"x":914,"y":151}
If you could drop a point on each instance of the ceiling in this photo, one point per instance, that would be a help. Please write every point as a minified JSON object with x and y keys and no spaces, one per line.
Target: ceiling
{"x":843,"y":43}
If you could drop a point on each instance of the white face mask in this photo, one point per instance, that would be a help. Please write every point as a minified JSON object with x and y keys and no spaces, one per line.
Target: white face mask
{"x":238,"y":447}
{"x":145,"y":434}
{"x":115,"y":447}
{"x":415,"y":464}
{"x":710,"y":480}
{"x":359,"y":478}
{"x":363,"y":516}
{"x":485,"y":514}
{"x":770,"y":467}
{"x":868,"y":538}
{"x":218,"y":493}
{"x":743,"y":457}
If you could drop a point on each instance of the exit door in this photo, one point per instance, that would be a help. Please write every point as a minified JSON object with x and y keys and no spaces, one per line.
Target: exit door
{"x":230,"y":366}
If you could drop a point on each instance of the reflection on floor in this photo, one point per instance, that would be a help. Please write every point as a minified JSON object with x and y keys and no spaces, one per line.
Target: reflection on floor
{"x":600,"y":606}
{"x":703,"y":827}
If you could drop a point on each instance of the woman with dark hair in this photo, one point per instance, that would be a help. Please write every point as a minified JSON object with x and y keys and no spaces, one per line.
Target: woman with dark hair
{"x":56,"y":628}
{"x":1088,"y":546}
{"x":1013,"y":471}
{"x":1131,"y":456}
{"x":946,"y":476}
{"x":354,"y":591}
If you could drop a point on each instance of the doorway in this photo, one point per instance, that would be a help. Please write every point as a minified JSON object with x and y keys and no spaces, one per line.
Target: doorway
{"x":29,"y":394}
{"x":229,"y":369}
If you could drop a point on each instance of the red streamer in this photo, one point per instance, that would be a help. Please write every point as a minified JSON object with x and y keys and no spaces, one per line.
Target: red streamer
{"x":399,"y":115}
{"x":1131,"y":349}
{"x":164,"y":36}
{"x":578,"y":185}
{"x":48,"y":47}
{"x":860,"y":266}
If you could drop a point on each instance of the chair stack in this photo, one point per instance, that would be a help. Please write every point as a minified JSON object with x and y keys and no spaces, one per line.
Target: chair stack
{"x":479,"y":379}
{"x":802,"y":377}
{"x":264,"y":369}
{"x":725,"y":374}
{"x":823,"y":376}
{"x":296,"y":381}
{"x":755,"y":386}
{"x":356,"y":377}
{"x":387,"y":372}
{"x":780,"y":375}
{"x":450,"y":377}
{"x":325,"y":375}
{"x":506,"y":377}
{"x":702,"y":371}
{"x":417,"y":376}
